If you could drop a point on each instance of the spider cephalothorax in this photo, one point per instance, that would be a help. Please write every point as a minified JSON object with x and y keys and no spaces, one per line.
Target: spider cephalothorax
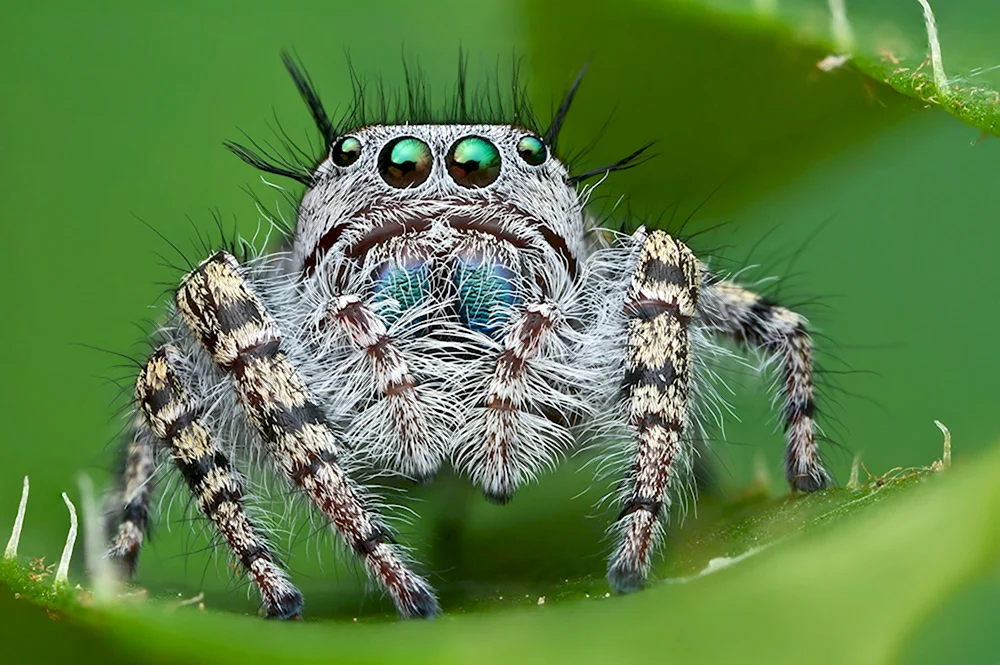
{"x":442,"y":299}
{"x":453,"y":227}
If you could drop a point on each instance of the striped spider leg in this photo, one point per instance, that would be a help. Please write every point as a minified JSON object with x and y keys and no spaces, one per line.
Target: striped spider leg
{"x":128,"y":505}
{"x":172,"y":416}
{"x":414,"y":454}
{"x":500,"y":456}
{"x":661,"y":302}
{"x":242,"y":338}
{"x":233,"y":327}
{"x":671,"y":293}
{"x":739,"y":314}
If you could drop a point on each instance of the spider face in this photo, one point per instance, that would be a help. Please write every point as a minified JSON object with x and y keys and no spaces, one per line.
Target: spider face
{"x":446,"y":188}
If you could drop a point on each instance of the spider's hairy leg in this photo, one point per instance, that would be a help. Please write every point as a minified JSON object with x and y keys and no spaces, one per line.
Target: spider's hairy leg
{"x":500,"y":459}
{"x":243,"y":339}
{"x":128,"y":507}
{"x":660,"y":304}
{"x":418,"y":455}
{"x":173,"y":417}
{"x":751,"y":319}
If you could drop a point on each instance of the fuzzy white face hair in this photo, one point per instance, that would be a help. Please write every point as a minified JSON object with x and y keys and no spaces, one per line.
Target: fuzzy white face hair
{"x":384,"y":181}
{"x":463,"y":243}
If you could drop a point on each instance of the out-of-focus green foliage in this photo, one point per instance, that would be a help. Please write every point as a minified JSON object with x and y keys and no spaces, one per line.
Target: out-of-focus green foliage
{"x":890,"y":40}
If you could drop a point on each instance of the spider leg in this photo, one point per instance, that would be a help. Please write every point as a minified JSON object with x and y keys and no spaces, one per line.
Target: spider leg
{"x":417,"y":456}
{"x":127,"y":509}
{"x":660,"y":304}
{"x":498,"y":461}
{"x":173,"y":417}
{"x":751,"y":319}
{"x":233,"y":326}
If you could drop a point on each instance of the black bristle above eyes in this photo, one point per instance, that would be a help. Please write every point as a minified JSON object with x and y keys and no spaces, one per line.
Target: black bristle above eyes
{"x":374,"y":105}
{"x":552,"y":133}
{"x":491,"y":103}
{"x":261,"y":160}
{"x":310,"y":96}
{"x":623,"y":164}
{"x":291,"y":161}
{"x":461,"y":109}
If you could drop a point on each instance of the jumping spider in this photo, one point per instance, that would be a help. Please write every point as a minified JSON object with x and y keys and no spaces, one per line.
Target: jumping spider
{"x":444,"y":297}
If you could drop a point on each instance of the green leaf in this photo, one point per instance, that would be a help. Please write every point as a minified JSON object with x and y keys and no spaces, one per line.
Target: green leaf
{"x":761,"y":580}
{"x":734,"y":92}
{"x":734,"y":98}
{"x":898,"y":42}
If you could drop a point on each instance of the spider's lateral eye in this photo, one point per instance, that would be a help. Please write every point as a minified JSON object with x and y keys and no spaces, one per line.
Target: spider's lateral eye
{"x":532,"y":150}
{"x":345,"y":151}
{"x":473,"y":162}
{"x":405,"y":162}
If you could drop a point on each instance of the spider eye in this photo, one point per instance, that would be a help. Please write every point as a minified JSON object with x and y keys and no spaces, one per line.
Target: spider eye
{"x":405,"y":162}
{"x":346,"y":151}
{"x":473,"y":162}
{"x":532,"y":150}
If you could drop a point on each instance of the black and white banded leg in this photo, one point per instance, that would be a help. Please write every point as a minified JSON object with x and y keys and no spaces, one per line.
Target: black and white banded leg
{"x":128,"y":507}
{"x":751,"y":319}
{"x":173,"y":417}
{"x":242,"y":338}
{"x":500,"y":460}
{"x":417,"y":454}
{"x":660,"y":304}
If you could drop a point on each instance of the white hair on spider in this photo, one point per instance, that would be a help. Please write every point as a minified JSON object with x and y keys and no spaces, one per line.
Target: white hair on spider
{"x":443,"y":298}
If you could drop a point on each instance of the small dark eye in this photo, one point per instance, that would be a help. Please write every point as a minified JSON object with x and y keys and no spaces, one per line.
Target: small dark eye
{"x":346,"y":151}
{"x":473,"y":162}
{"x":532,"y":150}
{"x":405,"y":162}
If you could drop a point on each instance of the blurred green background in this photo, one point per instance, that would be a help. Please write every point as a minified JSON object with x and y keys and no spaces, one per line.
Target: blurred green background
{"x":880,"y":212}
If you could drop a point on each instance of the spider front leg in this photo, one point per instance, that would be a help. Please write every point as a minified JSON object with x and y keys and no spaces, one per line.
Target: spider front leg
{"x":173,"y":418}
{"x":751,"y":319}
{"x":242,"y":338}
{"x":660,"y":304}
{"x":501,"y":459}
{"x":418,"y":455}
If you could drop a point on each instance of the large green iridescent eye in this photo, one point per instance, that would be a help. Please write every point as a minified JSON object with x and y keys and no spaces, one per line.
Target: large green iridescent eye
{"x":532,"y":150}
{"x":346,"y":151}
{"x":405,"y":162}
{"x":473,"y":162}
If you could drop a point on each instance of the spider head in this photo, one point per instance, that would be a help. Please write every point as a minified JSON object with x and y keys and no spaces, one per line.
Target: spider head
{"x":414,"y":189}
{"x":448,"y":182}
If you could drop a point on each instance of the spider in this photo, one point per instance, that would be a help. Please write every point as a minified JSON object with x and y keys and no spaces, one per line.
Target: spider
{"x":443,"y":298}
